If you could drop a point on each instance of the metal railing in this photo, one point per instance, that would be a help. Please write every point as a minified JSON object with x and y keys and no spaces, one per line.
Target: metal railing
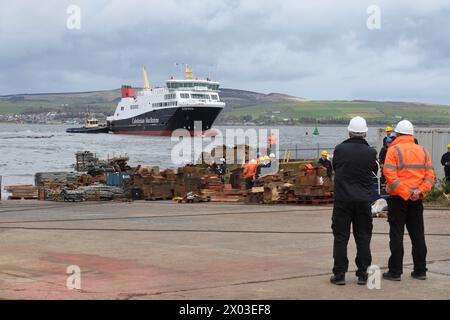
{"x":297,"y":152}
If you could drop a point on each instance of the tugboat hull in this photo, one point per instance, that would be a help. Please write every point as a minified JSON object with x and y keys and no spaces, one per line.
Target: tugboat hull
{"x":88,"y":130}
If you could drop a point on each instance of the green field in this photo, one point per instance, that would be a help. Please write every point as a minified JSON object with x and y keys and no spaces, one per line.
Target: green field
{"x":245,"y":106}
{"x":340,"y":111}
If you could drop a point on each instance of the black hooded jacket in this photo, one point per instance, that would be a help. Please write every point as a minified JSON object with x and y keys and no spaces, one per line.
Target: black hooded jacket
{"x":355,"y":164}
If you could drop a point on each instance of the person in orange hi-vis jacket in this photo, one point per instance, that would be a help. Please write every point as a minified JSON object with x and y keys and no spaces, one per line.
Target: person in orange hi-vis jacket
{"x":272,"y":141}
{"x":249,"y":173}
{"x":409,"y":177}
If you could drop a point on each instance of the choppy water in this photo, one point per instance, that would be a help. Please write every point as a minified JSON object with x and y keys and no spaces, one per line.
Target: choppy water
{"x":27,"y":149}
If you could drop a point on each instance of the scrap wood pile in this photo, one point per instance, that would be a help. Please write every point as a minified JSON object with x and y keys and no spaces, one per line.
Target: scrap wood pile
{"x":309,"y":185}
{"x":190,"y":180}
{"x":103,"y":180}
{"x":86,"y":161}
{"x":101,"y":193}
{"x":88,"y":183}
{"x":69,"y":186}
{"x":22,"y":191}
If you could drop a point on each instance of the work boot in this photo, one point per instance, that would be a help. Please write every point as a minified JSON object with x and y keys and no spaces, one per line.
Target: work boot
{"x":393,"y":277}
{"x":419,"y":275}
{"x":362,"y":279}
{"x":338,"y":279}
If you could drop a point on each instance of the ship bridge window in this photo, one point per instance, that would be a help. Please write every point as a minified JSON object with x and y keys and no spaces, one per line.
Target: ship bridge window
{"x":178,"y":85}
{"x":200,"y":96}
{"x":170,"y":96}
{"x":184,"y":95}
{"x":214,"y":97}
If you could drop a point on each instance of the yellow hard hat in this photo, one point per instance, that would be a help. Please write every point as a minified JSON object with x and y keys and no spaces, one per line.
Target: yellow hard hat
{"x":324,"y":153}
{"x":448,"y":146}
{"x":389,"y":129}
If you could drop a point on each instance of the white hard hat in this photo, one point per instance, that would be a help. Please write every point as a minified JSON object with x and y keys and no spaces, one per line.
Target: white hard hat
{"x":272,"y":155}
{"x":405,"y":127}
{"x":358,"y":125}
{"x":222,"y":159}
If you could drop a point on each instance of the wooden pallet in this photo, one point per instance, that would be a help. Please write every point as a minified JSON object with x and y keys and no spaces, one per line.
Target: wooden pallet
{"x":316,"y":201}
{"x":158,"y":198}
{"x":304,"y":201}
{"x":22,"y":198}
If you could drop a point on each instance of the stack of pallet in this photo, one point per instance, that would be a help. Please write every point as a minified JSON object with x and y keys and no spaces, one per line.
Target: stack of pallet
{"x":187,"y":180}
{"x":84,"y":159}
{"x":211,"y":182}
{"x":313,"y":187}
{"x":214,"y":188}
{"x":153,"y":185}
{"x":22,"y":191}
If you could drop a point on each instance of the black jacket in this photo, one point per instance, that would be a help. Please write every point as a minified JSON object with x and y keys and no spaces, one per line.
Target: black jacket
{"x":382,"y":155}
{"x":446,"y":158}
{"x":354,"y":164}
{"x":327,"y":164}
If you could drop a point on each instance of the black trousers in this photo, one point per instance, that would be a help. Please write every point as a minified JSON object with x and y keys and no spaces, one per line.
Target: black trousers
{"x":409,"y":213}
{"x":358,"y":214}
{"x":249,"y":183}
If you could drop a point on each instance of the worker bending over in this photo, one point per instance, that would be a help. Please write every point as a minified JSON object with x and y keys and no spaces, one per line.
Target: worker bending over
{"x":325,"y":162}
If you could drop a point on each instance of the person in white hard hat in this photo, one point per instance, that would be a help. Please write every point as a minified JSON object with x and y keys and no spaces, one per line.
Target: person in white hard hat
{"x":354,"y":162}
{"x":222,"y":169}
{"x":409,"y":177}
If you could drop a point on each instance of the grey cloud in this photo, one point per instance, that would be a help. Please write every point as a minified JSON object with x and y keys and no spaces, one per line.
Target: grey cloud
{"x":316,"y":49}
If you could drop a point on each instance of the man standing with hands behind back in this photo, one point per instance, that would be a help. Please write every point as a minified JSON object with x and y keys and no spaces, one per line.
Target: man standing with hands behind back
{"x":409,"y":177}
{"x":354,"y":162}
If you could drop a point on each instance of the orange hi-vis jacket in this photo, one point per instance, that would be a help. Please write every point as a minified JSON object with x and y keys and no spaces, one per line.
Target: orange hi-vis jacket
{"x":250,"y":170}
{"x":407,"y":168}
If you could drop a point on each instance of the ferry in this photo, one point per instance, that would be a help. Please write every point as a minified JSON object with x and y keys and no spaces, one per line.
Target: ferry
{"x":180,"y":104}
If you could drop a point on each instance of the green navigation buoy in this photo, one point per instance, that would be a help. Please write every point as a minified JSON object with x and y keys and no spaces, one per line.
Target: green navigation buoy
{"x":316,"y":131}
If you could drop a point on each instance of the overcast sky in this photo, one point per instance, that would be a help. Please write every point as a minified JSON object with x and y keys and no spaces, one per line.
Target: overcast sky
{"x":317,"y":49}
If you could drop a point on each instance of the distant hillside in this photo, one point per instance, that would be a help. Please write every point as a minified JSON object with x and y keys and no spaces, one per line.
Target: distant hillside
{"x":244,"y":107}
{"x":241,"y":98}
{"x":338,"y":112}
{"x":108,"y":100}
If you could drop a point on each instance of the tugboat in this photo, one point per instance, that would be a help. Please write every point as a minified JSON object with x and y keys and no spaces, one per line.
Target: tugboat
{"x":181,"y":104}
{"x":91,"y":126}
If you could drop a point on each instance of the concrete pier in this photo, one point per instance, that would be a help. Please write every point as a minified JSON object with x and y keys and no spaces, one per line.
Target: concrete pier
{"x":165,"y":250}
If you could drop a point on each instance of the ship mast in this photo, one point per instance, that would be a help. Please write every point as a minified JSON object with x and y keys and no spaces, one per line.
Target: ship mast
{"x":188,"y":73}
{"x":146,"y":82}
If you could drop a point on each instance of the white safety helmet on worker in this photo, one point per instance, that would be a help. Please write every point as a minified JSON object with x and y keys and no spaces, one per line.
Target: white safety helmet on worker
{"x":358,"y":125}
{"x":405,"y":127}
